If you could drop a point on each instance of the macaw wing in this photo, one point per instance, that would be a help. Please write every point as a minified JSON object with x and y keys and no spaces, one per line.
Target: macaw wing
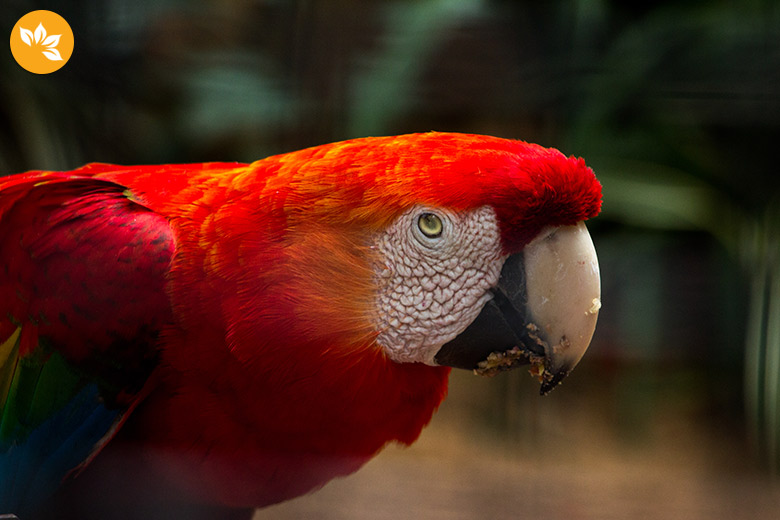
{"x":82,"y":300}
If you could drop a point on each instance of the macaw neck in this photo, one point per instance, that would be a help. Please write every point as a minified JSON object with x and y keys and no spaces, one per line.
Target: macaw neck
{"x":251,"y":437}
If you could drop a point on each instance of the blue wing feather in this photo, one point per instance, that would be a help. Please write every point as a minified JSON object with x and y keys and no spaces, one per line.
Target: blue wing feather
{"x":35,"y":467}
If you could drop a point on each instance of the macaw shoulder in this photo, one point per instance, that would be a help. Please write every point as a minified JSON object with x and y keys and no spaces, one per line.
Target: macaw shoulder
{"x":84,"y":265}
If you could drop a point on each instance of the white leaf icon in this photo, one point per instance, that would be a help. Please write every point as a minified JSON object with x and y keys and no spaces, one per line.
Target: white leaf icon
{"x":40,"y":33}
{"x":40,"y":37}
{"x":27,"y":36}
{"x":52,"y":54}
{"x":52,"y":41}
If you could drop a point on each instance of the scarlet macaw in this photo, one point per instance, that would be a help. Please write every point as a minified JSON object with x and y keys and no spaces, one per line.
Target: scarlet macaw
{"x":206,"y":338}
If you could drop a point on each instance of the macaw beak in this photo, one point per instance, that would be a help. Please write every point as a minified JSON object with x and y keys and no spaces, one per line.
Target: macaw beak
{"x":543,"y":311}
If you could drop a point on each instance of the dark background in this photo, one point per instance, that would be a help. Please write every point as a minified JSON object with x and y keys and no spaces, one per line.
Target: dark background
{"x":675,"y":410}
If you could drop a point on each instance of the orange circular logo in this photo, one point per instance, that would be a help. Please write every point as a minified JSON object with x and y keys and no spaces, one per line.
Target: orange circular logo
{"x":42,"y":42}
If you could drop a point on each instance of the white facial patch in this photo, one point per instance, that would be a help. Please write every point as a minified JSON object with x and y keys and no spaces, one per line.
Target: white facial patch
{"x":433,"y":277}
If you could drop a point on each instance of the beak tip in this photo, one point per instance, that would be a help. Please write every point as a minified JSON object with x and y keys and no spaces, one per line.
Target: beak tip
{"x":549,"y":384}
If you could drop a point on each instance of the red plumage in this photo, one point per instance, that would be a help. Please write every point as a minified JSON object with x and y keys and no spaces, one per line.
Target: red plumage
{"x":257,"y":283}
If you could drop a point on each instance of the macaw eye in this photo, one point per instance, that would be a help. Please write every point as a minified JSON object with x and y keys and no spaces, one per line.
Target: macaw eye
{"x":430,"y":225}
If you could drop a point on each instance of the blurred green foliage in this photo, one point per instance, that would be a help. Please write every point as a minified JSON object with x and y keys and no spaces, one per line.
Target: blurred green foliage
{"x":676,"y":105}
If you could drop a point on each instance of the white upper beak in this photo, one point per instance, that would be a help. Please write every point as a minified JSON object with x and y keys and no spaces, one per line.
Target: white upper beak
{"x":564,"y":296}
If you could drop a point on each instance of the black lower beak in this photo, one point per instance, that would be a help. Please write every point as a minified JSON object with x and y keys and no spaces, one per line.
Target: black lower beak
{"x":501,"y":337}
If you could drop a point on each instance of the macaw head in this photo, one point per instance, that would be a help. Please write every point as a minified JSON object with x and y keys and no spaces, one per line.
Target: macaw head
{"x":443,"y":249}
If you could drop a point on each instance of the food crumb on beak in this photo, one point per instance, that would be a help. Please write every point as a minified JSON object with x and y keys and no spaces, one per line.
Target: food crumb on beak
{"x":537,"y":370}
{"x":502,"y":361}
{"x":497,"y":362}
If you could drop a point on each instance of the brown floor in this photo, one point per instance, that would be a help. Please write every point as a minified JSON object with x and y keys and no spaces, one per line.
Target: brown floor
{"x":569,"y":465}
